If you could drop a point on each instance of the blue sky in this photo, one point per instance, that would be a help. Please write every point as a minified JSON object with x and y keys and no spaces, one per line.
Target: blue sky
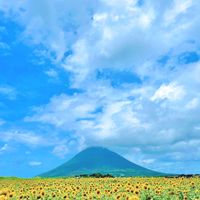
{"x":124,"y":74}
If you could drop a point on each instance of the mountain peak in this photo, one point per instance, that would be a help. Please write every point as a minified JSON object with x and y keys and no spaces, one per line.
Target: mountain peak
{"x":95,"y":148}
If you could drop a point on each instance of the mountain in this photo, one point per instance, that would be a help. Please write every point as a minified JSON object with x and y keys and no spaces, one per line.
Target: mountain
{"x":99,"y":160}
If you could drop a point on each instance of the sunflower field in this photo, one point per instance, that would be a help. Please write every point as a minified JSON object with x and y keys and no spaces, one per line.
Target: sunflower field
{"x":100,"y":188}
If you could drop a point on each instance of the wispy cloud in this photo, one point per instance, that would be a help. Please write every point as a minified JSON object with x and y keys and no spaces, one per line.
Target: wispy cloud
{"x":8,"y":91}
{"x":61,"y":150}
{"x":2,"y":122}
{"x":52,"y":73}
{"x":35,"y":163}
{"x":4,"y":148}
{"x":24,"y":137}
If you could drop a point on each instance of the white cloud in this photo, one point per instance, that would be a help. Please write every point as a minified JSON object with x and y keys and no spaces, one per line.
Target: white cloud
{"x":147,"y":161}
{"x":43,"y":25}
{"x":94,"y":31}
{"x":52,"y":73}
{"x":8,"y":92}
{"x":127,"y":117}
{"x":57,"y":112}
{"x":35,"y":163}
{"x":170,"y":92}
{"x":4,"y":148}
{"x":192,"y":104}
{"x":4,"y":46}
{"x":24,"y":137}
{"x":118,"y":116}
{"x":127,"y":38}
{"x":61,"y":151}
{"x":179,"y":7}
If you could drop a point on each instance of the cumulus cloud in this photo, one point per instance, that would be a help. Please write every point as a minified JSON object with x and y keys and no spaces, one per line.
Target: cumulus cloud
{"x":106,"y":114}
{"x":170,"y":92}
{"x":43,"y":25}
{"x":90,"y":37}
{"x":93,"y":33}
{"x":128,"y":117}
{"x":131,"y":38}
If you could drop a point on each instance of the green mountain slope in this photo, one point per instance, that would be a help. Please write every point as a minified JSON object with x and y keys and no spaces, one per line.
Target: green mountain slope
{"x":99,"y":160}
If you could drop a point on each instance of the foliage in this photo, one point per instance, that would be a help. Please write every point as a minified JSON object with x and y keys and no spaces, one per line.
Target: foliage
{"x":96,"y":175}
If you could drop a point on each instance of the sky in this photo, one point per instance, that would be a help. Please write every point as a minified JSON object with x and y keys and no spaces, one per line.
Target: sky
{"x":122,"y":74}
